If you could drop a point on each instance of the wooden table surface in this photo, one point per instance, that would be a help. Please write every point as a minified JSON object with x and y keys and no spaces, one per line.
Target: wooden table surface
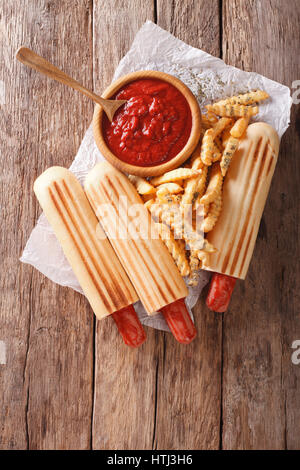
{"x":68,"y":381}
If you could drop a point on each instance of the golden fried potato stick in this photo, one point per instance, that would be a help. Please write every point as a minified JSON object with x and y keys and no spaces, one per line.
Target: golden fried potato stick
{"x":209,"y":120}
{"x":218,"y":143}
{"x":206,"y":209}
{"x":141,"y":184}
{"x":214,"y":186}
{"x":166,"y":210}
{"x":173,"y":215}
{"x":193,"y":186}
{"x":195,"y":240}
{"x":212,"y":117}
{"x":168,"y":188}
{"x":170,"y":216}
{"x":201,"y":187}
{"x":196,"y":162}
{"x":233,"y":110}
{"x":225,"y":137}
{"x":200,"y":211}
{"x":214,"y":211}
{"x":176,"y":248}
{"x":174,"y":175}
{"x":228,"y":153}
{"x":155,"y":210}
{"x":197,"y":244}
{"x":170,"y":199}
{"x":239,"y":128}
{"x":203,"y":256}
{"x":217,"y":155}
{"x":194,"y":189}
{"x":219,"y":127}
{"x":207,"y":147}
{"x":190,"y":191}
{"x":194,"y":269}
{"x":247,"y":99}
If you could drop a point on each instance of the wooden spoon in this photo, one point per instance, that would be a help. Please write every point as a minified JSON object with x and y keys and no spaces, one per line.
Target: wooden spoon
{"x":36,"y":62}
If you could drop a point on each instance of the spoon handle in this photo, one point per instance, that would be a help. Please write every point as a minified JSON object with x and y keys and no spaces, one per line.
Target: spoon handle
{"x":36,"y":62}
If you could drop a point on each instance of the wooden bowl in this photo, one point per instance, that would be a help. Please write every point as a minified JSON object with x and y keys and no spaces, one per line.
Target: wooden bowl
{"x":156,"y":169}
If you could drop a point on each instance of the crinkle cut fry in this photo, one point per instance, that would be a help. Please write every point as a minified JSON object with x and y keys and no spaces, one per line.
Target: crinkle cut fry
{"x":173,"y":216}
{"x":217,"y":155}
{"x":246,"y":99}
{"x":194,"y":269}
{"x":194,"y":185}
{"x":219,"y":127}
{"x":141,"y":184}
{"x":207,"y":147}
{"x":174,"y":175}
{"x":197,"y":244}
{"x":190,"y":189}
{"x":208,"y":120}
{"x":239,"y":127}
{"x":201,"y":187}
{"x":214,"y":185}
{"x":228,"y":153}
{"x":175,"y":247}
{"x":213,"y":214}
{"x":196,"y":162}
{"x":225,"y":137}
{"x":168,"y":188}
{"x":218,"y":143}
{"x":233,"y":110}
{"x":203,"y":258}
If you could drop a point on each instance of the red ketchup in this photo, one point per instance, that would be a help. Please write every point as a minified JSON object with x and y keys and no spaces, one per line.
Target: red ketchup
{"x":152,"y":127}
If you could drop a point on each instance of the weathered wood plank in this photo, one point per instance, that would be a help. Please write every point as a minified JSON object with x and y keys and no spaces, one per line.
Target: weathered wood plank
{"x":189,"y":386}
{"x":196,"y":22}
{"x":46,"y":385}
{"x":261,"y":399}
{"x":164,"y":396}
{"x":114,"y":28}
{"x":125,"y":380}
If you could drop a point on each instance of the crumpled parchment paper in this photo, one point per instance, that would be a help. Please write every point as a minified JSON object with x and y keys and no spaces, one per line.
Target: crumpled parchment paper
{"x":209,"y":78}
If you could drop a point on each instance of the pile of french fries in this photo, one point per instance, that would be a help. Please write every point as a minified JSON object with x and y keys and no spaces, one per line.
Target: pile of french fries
{"x":198,"y":184}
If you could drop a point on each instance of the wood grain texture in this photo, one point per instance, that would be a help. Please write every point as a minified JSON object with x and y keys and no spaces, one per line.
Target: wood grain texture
{"x":188,"y":391}
{"x":189,"y":378}
{"x":164,"y":395}
{"x":41,"y":65}
{"x":46,"y":385}
{"x":115,"y":25}
{"x":261,"y":398}
{"x":125,"y":380}
{"x":196,"y":22}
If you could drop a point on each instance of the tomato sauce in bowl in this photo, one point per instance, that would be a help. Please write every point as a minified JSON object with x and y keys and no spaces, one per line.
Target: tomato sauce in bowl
{"x":152,"y":127}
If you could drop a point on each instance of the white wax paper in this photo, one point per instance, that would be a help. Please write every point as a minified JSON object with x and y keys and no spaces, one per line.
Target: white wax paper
{"x":209,"y":78}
